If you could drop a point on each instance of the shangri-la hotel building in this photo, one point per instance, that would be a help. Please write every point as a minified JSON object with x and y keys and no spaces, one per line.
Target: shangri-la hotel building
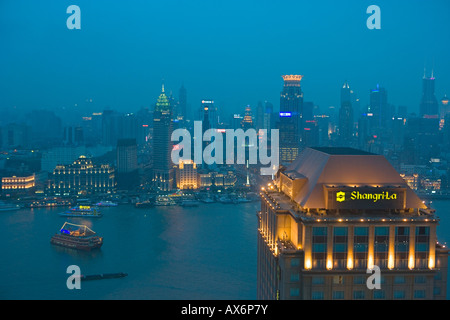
{"x":336,"y":215}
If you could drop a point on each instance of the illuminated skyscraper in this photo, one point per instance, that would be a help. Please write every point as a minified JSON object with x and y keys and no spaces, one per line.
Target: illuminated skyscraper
{"x":336,"y":212}
{"x":247,"y":122}
{"x":163,"y":171}
{"x":290,"y":125}
{"x":429,"y":107}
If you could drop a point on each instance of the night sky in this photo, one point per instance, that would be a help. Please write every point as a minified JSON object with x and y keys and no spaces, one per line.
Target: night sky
{"x":233,"y":52}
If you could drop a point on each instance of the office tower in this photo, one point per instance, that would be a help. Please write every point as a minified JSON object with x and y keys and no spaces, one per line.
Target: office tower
{"x":333,"y":214}
{"x":182,"y":101}
{"x":109,"y":128}
{"x":346,"y":117}
{"x":445,"y":107}
{"x":259,"y":123}
{"x":127,"y":164}
{"x":247,"y":121}
{"x":73,"y":135}
{"x":82,"y":177}
{"x":379,"y":108}
{"x":323,"y":124}
{"x":289,"y":123}
{"x":163,"y":172}
{"x":269,"y":117}
{"x":422,"y":140}
{"x":187,"y":175}
{"x":16,"y":136}
{"x":429,"y":107}
{"x":236,"y":120}
{"x":213,"y":116}
{"x":46,"y":128}
{"x":126,"y":155}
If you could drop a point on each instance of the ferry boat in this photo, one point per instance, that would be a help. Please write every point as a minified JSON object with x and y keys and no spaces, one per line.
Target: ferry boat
{"x":144,"y":204}
{"x":8,"y":207}
{"x":164,"y":201}
{"x":106,"y":204}
{"x":83,"y":212}
{"x":78,"y":237}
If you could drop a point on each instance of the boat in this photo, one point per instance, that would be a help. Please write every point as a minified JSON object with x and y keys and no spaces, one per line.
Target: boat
{"x":83,"y":212}
{"x":8,"y":206}
{"x":106,"y":204}
{"x":164,"y":201}
{"x":225,"y":200}
{"x":144,"y":204}
{"x":103,"y":276}
{"x":190,"y":203}
{"x":78,"y":237}
{"x":241,"y":200}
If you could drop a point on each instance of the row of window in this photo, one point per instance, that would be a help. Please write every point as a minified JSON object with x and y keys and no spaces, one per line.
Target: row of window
{"x":360,"y":294}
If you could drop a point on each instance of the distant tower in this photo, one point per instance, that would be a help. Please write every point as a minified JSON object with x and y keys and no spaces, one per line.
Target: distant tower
{"x":429,"y":107}
{"x":379,"y":107}
{"x":291,"y":103}
{"x":346,"y":116}
{"x":208,"y":107}
{"x":247,"y":122}
{"x":163,"y":172}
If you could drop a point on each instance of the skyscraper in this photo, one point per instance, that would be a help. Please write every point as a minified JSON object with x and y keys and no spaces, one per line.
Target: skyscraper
{"x":346,"y":117}
{"x":333,"y":214}
{"x":379,"y":107}
{"x":163,"y":171}
{"x":429,"y":107}
{"x":290,"y":126}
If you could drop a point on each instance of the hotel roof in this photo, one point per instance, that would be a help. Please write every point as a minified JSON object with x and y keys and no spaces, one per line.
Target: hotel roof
{"x":321,"y":167}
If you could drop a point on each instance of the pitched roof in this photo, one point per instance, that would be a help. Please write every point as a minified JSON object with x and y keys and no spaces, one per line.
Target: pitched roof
{"x":344,"y":167}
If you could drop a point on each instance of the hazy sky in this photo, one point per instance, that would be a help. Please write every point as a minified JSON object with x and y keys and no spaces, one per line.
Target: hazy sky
{"x":233,"y":52}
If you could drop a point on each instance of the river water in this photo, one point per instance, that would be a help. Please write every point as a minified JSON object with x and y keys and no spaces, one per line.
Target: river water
{"x":205,"y":252}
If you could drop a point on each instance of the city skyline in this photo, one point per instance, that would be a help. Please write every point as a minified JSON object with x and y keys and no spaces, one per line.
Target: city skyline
{"x":121,"y":64}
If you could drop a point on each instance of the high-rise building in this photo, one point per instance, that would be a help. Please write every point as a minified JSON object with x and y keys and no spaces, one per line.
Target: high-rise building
{"x":247,"y":122}
{"x":269,"y":117}
{"x":379,"y":108}
{"x":163,"y":168}
{"x":335,"y":213}
{"x":126,"y":155}
{"x":290,"y":120}
{"x":429,"y":107}
{"x":208,"y":106}
{"x":346,"y":117}
{"x":445,"y":107}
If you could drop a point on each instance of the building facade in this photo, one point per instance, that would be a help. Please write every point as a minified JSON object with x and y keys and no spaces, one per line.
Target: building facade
{"x":289,"y":123}
{"x":163,"y":171}
{"x":336,"y":213}
{"x":82,"y":177}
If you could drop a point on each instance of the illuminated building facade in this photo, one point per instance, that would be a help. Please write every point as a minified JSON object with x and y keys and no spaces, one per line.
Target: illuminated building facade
{"x":12,"y":184}
{"x":289,"y":124}
{"x":82,"y":177}
{"x":333,"y":214}
{"x":163,"y":171}
{"x":187,"y":175}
